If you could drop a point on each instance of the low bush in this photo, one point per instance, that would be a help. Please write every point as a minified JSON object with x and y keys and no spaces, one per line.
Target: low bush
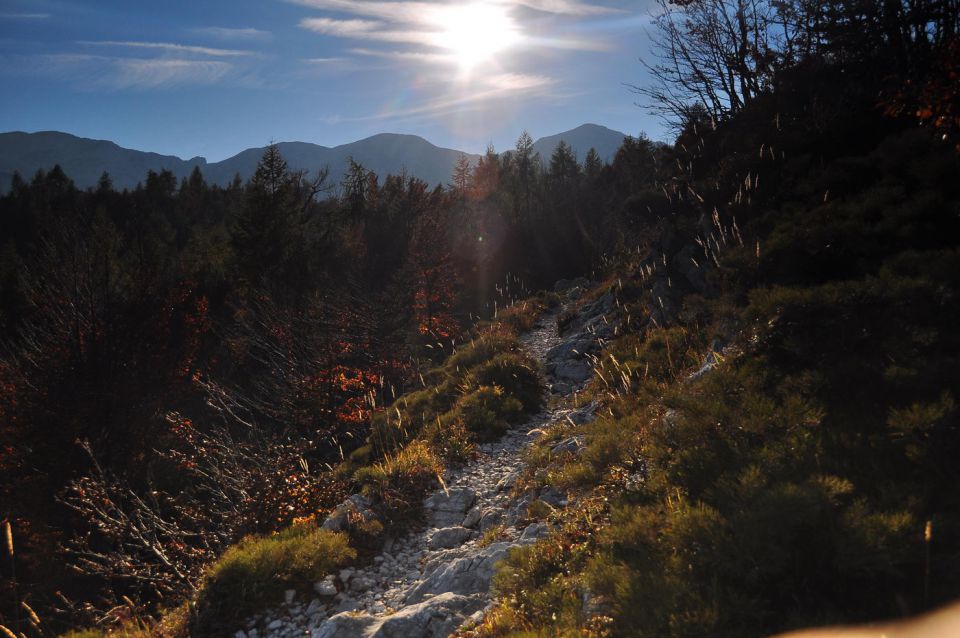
{"x":452,"y":441}
{"x":516,"y":376}
{"x":482,"y":349}
{"x":487,"y":412}
{"x":400,"y":481}
{"x":255,"y":572}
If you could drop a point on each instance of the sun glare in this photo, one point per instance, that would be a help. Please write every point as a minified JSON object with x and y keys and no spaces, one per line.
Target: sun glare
{"x":474,"y":33}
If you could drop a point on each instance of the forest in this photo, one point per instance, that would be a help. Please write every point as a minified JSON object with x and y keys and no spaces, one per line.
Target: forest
{"x":187,"y":367}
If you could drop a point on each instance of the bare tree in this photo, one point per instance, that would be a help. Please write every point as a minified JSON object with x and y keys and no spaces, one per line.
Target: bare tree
{"x":719,"y":54}
{"x":154,"y":542}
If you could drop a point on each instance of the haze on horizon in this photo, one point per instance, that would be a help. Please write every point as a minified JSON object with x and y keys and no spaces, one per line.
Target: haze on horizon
{"x":214,"y":78}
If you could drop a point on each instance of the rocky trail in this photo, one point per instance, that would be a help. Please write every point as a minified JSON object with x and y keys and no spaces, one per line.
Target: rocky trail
{"x":437,"y":579}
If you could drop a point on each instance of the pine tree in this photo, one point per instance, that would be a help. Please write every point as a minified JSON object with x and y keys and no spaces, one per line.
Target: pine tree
{"x":592,"y":165}
{"x":267,"y":227}
{"x":526,"y":161}
{"x":564,"y":169}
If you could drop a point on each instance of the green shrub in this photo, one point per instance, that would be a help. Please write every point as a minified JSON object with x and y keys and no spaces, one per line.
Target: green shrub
{"x":516,"y":376}
{"x":254,"y":573}
{"x":400,"y":481}
{"x":535,"y":579}
{"x":487,"y":412}
{"x":451,"y":440}
{"x":480,"y":350}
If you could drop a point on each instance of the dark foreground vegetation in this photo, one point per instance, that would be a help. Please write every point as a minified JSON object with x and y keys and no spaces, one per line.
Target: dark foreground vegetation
{"x":187,"y":366}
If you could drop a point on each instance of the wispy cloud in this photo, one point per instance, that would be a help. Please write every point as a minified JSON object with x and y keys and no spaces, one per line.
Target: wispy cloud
{"x":231,"y":33}
{"x":24,"y":16}
{"x":367,"y":30}
{"x":563,"y":7}
{"x":445,"y":25}
{"x":343,"y":28}
{"x":416,"y":56}
{"x":409,"y":12}
{"x":168,"y":47}
{"x":91,"y":72}
{"x":152,"y":74}
{"x":324,"y":61}
{"x":412,"y":11}
{"x":492,"y":89}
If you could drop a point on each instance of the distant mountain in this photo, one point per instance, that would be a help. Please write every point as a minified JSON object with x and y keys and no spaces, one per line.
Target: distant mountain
{"x":582,"y":139}
{"x":383,"y":154}
{"x":84,"y":160}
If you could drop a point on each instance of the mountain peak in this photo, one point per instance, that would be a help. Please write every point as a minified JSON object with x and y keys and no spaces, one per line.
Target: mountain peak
{"x":604,"y":140}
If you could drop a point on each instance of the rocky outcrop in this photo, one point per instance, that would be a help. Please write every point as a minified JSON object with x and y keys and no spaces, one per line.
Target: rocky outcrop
{"x":434,"y":618}
{"x":568,"y":364}
{"x":445,"y":508}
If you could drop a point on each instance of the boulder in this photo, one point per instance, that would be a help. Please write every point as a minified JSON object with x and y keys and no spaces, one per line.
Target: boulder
{"x":449,"y":537}
{"x":472,"y":517}
{"x":434,"y":618}
{"x":490,"y":518}
{"x":326,"y":587}
{"x":571,"y":371}
{"x":338,"y":518}
{"x":464,"y":576}
{"x":533,"y":532}
{"x":445,"y":509}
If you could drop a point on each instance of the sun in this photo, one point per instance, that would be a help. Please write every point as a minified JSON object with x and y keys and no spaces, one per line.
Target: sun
{"x":474,"y":33}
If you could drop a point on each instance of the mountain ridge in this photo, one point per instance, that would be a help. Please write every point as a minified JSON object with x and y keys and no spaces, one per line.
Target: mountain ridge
{"x":85,"y":159}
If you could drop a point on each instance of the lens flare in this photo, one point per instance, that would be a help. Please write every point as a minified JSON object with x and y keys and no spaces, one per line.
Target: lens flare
{"x":474,"y":33}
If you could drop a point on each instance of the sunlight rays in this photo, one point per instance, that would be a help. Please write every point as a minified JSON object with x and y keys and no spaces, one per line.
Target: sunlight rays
{"x":473,"y":33}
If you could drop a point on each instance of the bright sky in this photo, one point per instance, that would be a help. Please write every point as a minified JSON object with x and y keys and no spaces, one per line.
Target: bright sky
{"x":213,"y":77}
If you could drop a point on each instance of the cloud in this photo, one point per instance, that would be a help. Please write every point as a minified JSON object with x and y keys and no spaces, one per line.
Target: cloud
{"x":342,"y":28}
{"x":563,"y":7}
{"x":449,"y":26}
{"x":230,"y":33}
{"x":366,"y":30}
{"x":154,"y":74}
{"x":24,"y":16}
{"x":517,"y":81}
{"x":416,"y":56}
{"x":414,"y":11}
{"x":88,"y":72}
{"x":168,"y":47}
{"x":408,"y":12}
{"x":491,"y":89}
{"x":324,"y":60}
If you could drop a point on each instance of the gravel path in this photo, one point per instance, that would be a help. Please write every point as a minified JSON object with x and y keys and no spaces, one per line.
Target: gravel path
{"x":434,"y":580}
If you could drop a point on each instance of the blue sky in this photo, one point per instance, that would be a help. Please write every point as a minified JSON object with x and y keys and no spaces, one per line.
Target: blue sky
{"x":214,"y":77}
